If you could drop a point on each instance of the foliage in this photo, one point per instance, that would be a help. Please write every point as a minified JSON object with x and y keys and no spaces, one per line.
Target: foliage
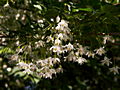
{"x":47,"y":42}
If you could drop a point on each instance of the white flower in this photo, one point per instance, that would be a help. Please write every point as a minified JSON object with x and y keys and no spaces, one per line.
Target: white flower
{"x":60,"y":69}
{"x":47,"y":72}
{"x":23,"y":17}
{"x":106,"y":61}
{"x":9,"y":69}
{"x":41,"y":63}
{"x":114,"y":70}
{"x":40,"y":21}
{"x":77,"y":53}
{"x":57,"y":42}
{"x":55,"y":60}
{"x":17,"y":16}
{"x":32,"y":66}
{"x":63,"y":23}
{"x":100,"y":51}
{"x":52,"y":19}
{"x":82,"y":50}
{"x":3,"y":39}
{"x":65,"y":37}
{"x":69,"y":47}
{"x":50,"y":38}
{"x":57,"y":19}
{"x":49,"y":61}
{"x":60,"y":36}
{"x":17,"y":43}
{"x":81,"y":60}
{"x":58,"y":27}
{"x":28,"y":71}
{"x":14,"y":57}
{"x":63,"y":27}
{"x":56,"y":49}
{"x":39,"y":44}
{"x":71,"y":56}
{"x":108,"y":38}
{"x":23,"y":65}
{"x":90,"y":54}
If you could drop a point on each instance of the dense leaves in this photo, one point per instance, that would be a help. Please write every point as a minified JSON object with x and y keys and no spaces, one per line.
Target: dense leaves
{"x":59,"y":44}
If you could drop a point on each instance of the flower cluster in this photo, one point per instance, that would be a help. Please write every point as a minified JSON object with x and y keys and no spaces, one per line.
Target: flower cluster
{"x":60,"y":44}
{"x":42,"y":68}
{"x":62,"y":33}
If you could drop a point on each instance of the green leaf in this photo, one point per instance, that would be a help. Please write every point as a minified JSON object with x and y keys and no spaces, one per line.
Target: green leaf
{"x":83,"y":9}
{"x":20,"y":74}
{"x":14,"y":70}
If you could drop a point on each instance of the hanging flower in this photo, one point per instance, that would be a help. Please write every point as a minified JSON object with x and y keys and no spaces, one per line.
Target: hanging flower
{"x":100,"y":51}
{"x":69,"y":47}
{"x":82,"y":50}
{"x":56,"y":49}
{"x":57,"y":19}
{"x":60,"y":36}
{"x":108,"y":38}
{"x":90,"y":54}
{"x":114,"y":70}
{"x":81,"y":60}
{"x":106,"y":61}
{"x":57,"y":42}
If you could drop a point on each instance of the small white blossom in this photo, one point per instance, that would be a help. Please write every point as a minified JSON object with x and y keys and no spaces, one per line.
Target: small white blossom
{"x":114,"y":70}
{"x":32,"y":66}
{"x":77,"y":53}
{"x":52,"y":19}
{"x":100,"y":51}
{"x":108,"y":38}
{"x":3,"y":39}
{"x":14,"y":57}
{"x":69,"y":47}
{"x":71,"y":56}
{"x":23,"y":17}
{"x":57,"y":42}
{"x":50,"y":38}
{"x":39,"y":44}
{"x":5,"y":66}
{"x":58,"y":70}
{"x":81,"y":60}
{"x":60,"y":36}
{"x":46,"y":72}
{"x":9,"y":69}
{"x":17,"y":43}
{"x":82,"y":50}
{"x":17,"y":16}
{"x":90,"y":54}
{"x":56,"y":49}
{"x":57,"y":19}
{"x":42,"y":63}
{"x":55,"y":60}
{"x":28,"y":71}
{"x":106,"y":61}
{"x":63,"y":23}
{"x":66,"y":37}
{"x":23,"y":65}
{"x":58,"y":27}
{"x":40,"y":21}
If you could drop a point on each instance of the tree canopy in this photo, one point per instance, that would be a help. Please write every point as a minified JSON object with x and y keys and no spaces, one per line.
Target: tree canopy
{"x":59,"y":44}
